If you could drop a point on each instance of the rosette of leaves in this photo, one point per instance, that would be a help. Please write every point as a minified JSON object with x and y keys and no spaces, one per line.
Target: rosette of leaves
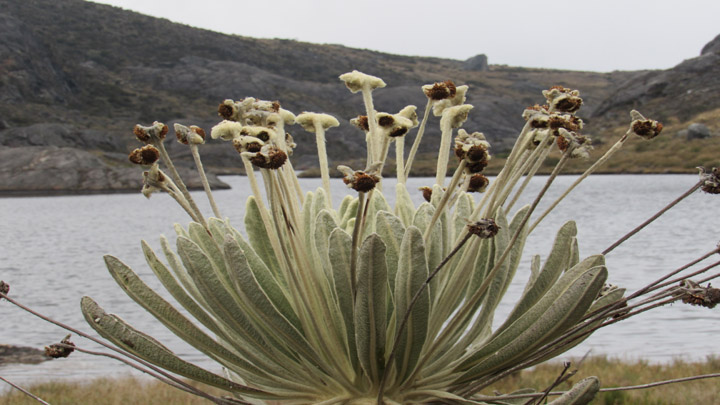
{"x":313,"y":322}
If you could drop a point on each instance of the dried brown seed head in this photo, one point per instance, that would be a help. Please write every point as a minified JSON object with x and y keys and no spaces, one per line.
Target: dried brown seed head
{"x":269,"y":157}
{"x":647,"y":129}
{"x":225,"y":111}
{"x":563,"y":143}
{"x":711,"y":180}
{"x":440,"y":90}
{"x":426,"y":192}
{"x":364,"y":182}
{"x":485,"y":228}
{"x":476,"y":167}
{"x":359,"y":180}
{"x":478,"y":183}
{"x":146,"y":155}
{"x":141,"y":134}
{"x":361,"y":122}
{"x":386,"y":120}
{"x":399,"y":131}
{"x":163,"y":132}
{"x":57,"y":351}
{"x":4,"y":287}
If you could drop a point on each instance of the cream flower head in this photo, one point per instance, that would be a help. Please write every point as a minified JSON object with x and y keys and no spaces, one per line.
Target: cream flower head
{"x":226,"y":130}
{"x":310,"y":121}
{"x":357,"y":81}
{"x":455,"y":116}
{"x":458,"y":99}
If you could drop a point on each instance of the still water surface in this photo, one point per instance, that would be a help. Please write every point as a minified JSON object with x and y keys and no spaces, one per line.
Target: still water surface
{"x":51,"y":252}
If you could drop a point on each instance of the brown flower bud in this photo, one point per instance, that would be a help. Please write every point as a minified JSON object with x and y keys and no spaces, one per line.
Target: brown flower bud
{"x":146,"y":155}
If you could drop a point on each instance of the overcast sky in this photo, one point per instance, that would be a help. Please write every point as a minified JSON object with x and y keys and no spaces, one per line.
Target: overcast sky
{"x":597,"y":35}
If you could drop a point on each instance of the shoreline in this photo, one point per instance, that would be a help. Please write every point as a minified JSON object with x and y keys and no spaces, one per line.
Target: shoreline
{"x":74,"y":192}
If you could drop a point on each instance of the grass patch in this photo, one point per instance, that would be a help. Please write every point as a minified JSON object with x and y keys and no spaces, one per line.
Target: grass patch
{"x":612,"y":373}
{"x":617,"y":373}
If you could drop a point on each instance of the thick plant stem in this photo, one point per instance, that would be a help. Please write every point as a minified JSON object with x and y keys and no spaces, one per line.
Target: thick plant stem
{"x":653,"y":218}
{"x":356,"y":242}
{"x":445,"y":198}
{"x":399,"y":159}
{"x":203,"y":178}
{"x":408,"y":312}
{"x":418,"y":138}
{"x":322,"y":156}
{"x":443,"y":156}
{"x":531,"y":173}
{"x":373,"y":151}
{"x":178,"y":180}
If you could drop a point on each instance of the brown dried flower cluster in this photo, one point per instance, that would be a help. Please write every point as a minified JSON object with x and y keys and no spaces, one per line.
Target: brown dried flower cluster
{"x":485,"y":228}
{"x":156,"y":132}
{"x":426,"y":192}
{"x":361,"y":181}
{"x":697,"y":295}
{"x":647,"y":129}
{"x":269,"y":157}
{"x":57,"y":351}
{"x":440,"y":90}
{"x":478,"y":183}
{"x":563,"y":99}
{"x":146,"y":155}
{"x":184,"y":137}
{"x":4,"y":287}
{"x":711,"y":180}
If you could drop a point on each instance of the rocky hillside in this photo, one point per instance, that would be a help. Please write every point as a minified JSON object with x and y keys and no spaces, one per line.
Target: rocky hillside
{"x":79,"y":75}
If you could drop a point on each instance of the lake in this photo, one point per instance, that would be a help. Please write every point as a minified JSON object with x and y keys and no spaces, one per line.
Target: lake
{"x":51,"y":252}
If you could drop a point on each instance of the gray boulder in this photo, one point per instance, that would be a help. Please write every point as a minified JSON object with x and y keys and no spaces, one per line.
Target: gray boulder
{"x":478,"y":63}
{"x":697,"y":131}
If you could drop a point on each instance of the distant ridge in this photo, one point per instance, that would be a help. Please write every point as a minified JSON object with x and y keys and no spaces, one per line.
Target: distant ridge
{"x":98,"y":70}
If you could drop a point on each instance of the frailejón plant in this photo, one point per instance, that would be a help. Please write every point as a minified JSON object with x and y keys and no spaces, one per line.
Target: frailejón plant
{"x":367,"y":302}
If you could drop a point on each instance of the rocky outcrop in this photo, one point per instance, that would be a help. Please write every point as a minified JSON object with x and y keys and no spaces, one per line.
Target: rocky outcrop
{"x":49,"y":134}
{"x":712,"y":46}
{"x":43,"y":170}
{"x":478,"y":63}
